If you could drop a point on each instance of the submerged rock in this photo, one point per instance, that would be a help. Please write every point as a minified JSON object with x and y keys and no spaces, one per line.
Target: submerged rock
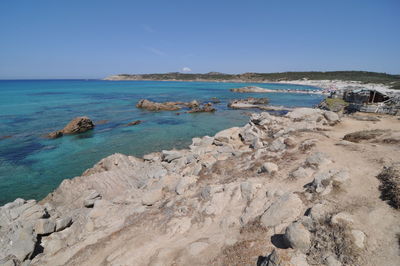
{"x":207,"y":107}
{"x":134,"y":123}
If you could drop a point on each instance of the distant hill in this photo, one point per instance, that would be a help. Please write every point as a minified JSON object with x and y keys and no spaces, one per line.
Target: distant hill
{"x":362,"y":76}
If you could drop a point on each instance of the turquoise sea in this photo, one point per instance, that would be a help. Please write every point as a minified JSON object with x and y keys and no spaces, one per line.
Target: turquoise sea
{"x":31,"y":166}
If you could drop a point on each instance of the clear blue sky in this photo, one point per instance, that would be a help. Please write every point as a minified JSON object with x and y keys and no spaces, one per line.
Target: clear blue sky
{"x":96,"y":38}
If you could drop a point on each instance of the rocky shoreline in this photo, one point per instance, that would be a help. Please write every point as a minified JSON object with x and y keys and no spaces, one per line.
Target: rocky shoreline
{"x":282,"y":190}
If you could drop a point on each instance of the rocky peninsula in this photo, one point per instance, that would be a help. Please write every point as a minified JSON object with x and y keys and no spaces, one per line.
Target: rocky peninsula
{"x":307,"y":188}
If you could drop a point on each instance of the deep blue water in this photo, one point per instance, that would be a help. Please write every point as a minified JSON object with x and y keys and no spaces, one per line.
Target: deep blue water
{"x":32,"y":166}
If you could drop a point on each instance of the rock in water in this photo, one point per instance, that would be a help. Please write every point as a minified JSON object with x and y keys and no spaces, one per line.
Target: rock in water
{"x":78,"y":125}
{"x":55,"y":134}
{"x":208,"y":107}
{"x":134,"y":123}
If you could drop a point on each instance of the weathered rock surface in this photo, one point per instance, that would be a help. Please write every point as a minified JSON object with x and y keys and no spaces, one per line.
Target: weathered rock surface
{"x":298,"y":237}
{"x":213,"y":204}
{"x":287,"y":208}
{"x":205,"y":108}
{"x":165,"y":106}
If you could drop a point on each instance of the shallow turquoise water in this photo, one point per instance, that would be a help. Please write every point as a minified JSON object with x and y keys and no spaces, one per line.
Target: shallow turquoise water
{"x":32,"y":166}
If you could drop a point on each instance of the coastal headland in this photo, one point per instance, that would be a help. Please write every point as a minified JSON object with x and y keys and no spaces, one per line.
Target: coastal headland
{"x":325,"y":80}
{"x":312,"y":187}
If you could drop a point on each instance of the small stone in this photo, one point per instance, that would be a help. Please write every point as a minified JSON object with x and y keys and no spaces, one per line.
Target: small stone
{"x":342,"y":217}
{"x":290,"y":142}
{"x":277,"y":145}
{"x":318,"y":212}
{"x":301,"y":173}
{"x":332,"y":261}
{"x":359,"y":238}
{"x":269,"y":168}
{"x":271,"y":260}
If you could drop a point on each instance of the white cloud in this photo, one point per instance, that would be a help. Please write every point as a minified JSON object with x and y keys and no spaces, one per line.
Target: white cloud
{"x":156,"y":51}
{"x":186,"y":69}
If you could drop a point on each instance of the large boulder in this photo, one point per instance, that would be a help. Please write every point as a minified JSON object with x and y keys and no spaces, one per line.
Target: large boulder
{"x":78,"y":125}
{"x":297,"y":236}
{"x":306,"y":114}
{"x":286,"y":209}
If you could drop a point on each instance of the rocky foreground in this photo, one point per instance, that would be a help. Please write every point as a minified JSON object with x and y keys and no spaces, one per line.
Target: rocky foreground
{"x":278,"y":191}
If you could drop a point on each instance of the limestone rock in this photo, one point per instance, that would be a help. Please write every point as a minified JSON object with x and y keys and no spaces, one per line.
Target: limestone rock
{"x":45,"y":226}
{"x":184,"y":183}
{"x":63,"y":223}
{"x":317,"y":160}
{"x":285,"y":209}
{"x":169,"y":156}
{"x":23,"y":244}
{"x":297,"y":236}
{"x":152,"y":196}
{"x":91,"y":198}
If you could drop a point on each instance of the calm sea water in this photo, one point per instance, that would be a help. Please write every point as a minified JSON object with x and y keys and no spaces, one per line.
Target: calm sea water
{"x":32,"y":166}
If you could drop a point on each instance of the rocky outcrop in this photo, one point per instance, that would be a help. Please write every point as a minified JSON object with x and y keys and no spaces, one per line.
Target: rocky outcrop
{"x":165,"y":106}
{"x":77,"y":125}
{"x":207,"y":107}
{"x":250,"y":102}
{"x":279,"y":185}
{"x":252,"y":89}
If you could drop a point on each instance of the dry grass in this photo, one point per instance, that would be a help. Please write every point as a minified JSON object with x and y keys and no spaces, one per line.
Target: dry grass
{"x":328,"y":238}
{"x":359,"y":136}
{"x":390,"y":185}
